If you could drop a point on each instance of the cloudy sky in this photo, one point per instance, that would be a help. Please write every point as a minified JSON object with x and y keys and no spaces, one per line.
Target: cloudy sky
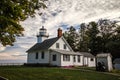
{"x":60,"y":13}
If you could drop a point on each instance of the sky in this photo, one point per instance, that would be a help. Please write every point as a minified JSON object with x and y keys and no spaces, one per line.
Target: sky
{"x":59,"y":13}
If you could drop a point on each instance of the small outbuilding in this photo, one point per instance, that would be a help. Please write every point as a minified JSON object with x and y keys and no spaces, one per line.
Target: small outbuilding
{"x":116,"y":63}
{"x":104,"y":62}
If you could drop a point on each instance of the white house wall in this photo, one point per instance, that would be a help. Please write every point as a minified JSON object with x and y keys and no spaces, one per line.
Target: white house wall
{"x":58,"y":59}
{"x":32,"y":59}
{"x":110,"y":66}
{"x":61,"y":45}
{"x":71,"y":62}
{"x":87,"y":62}
{"x":78,"y":63}
{"x":67,"y":63}
{"x":91,"y":63}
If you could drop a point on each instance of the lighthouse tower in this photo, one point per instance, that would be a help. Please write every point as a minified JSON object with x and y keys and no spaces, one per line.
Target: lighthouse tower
{"x":42,"y":35}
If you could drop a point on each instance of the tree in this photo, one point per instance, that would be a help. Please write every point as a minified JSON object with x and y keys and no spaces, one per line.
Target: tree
{"x":106,"y":32}
{"x":72,"y":38}
{"x":11,"y":13}
{"x":83,"y":42}
{"x":104,"y":36}
{"x":92,"y":34}
{"x":114,"y":44}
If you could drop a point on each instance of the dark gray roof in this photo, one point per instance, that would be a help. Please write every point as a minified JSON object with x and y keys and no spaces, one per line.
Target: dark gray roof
{"x":65,"y":52}
{"x":117,"y":61}
{"x":86,"y":54}
{"x":44,"y":45}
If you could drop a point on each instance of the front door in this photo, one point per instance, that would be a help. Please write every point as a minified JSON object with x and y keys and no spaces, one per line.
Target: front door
{"x":85,"y":61}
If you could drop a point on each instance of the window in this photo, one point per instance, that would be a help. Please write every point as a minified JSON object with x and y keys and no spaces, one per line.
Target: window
{"x":78,"y":58}
{"x":66,"y":57}
{"x":64,"y":46}
{"x":57,"y":45}
{"x":54,"y":57}
{"x":74,"y":58}
{"x":91,"y":59}
{"x":42,"y":55}
{"x":36,"y":55}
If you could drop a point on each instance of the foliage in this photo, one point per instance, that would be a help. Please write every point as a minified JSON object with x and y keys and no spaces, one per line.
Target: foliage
{"x":92,"y":33}
{"x":110,"y":37}
{"x":83,"y":42}
{"x":116,"y":71}
{"x":11,"y":13}
{"x":114,"y":44}
{"x":71,"y":37}
{"x":97,"y":37}
{"x":37,"y":73}
{"x":106,"y":32}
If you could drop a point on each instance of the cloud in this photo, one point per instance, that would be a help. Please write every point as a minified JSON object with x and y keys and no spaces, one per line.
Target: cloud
{"x":71,"y":12}
{"x":13,"y":56}
{"x":18,"y":51}
{"x":17,"y":54}
{"x":74,"y":12}
{"x":2,"y":48}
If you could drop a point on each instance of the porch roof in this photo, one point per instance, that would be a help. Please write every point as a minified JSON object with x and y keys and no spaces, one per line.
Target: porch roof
{"x":65,"y":52}
{"x":86,"y":54}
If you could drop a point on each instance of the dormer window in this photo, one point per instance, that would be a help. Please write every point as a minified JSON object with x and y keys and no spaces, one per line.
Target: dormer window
{"x":64,"y":46}
{"x":57,"y":45}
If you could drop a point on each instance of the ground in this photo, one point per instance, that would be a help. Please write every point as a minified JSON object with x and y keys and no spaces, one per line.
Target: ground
{"x":37,"y":73}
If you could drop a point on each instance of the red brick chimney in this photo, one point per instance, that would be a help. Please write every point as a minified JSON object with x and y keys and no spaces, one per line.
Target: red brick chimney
{"x":59,"y":32}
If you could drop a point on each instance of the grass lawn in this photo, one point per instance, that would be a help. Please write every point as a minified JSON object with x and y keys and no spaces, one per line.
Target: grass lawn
{"x":93,"y":69}
{"x":86,"y":68}
{"x":116,"y":71}
{"x":36,"y":73}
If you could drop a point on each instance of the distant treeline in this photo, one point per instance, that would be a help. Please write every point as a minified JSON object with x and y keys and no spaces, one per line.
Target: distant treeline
{"x":95,"y":37}
{"x":11,"y":64}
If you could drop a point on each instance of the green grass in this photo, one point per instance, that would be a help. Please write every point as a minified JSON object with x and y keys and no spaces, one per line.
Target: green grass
{"x":86,"y":68}
{"x":116,"y":71}
{"x":36,"y":73}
